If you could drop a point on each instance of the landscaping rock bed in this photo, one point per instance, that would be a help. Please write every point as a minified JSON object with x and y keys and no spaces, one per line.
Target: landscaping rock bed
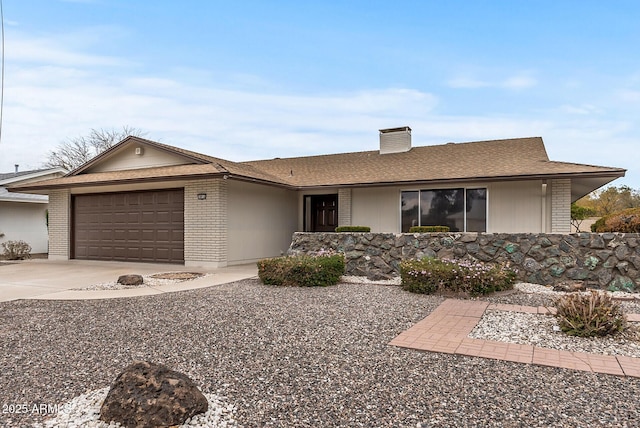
{"x":147,"y":281}
{"x":293,"y":357}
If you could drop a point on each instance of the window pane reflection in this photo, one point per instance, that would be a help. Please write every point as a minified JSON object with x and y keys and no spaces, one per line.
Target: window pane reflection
{"x":442,"y":208}
{"x":476,"y":210}
{"x":409,"y":210}
{"x":445,"y":207}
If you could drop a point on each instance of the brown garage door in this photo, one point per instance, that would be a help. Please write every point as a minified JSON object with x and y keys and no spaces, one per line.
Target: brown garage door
{"x":133,"y":226}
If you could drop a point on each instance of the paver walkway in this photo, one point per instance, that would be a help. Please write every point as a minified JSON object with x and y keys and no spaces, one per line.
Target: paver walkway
{"x":447,"y":328}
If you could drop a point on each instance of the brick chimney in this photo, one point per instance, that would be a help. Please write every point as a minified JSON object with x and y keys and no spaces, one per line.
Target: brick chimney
{"x":395,"y":140}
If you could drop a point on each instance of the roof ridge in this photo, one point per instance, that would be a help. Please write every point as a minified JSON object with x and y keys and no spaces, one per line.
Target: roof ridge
{"x":378,"y":151}
{"x":586,"y":164}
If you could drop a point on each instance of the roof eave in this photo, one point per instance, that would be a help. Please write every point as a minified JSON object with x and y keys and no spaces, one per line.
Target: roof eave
{"x":526,"y":177}
{"x":223,"y":175}
{"x":24,"y":200}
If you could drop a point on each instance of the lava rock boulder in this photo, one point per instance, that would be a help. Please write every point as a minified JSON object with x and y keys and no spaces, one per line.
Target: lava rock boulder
{"x":147,"y":394}
{"x":131,"y":279}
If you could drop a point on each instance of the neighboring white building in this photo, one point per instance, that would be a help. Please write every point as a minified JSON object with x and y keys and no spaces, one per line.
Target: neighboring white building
{"x":145,"y":201}
{"x":23,"y":216}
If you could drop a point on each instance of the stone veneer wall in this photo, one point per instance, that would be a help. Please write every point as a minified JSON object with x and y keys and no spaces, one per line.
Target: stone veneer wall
{"x":602,"y":260}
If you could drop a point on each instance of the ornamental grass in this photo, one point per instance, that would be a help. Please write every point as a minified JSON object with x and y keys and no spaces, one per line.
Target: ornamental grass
{"x":589,"y":314}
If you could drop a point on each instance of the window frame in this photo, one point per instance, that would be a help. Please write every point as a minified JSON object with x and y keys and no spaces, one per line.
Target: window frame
{"x":464,"y":197}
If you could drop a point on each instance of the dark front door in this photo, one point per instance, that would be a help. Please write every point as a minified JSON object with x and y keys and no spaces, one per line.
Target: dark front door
{"x":324,"y":213}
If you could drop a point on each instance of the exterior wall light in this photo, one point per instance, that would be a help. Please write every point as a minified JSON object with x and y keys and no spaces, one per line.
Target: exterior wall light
{"x":202,"y":196}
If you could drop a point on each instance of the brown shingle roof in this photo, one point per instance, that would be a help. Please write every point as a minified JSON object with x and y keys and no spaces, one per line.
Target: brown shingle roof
{"x":519,"y":158}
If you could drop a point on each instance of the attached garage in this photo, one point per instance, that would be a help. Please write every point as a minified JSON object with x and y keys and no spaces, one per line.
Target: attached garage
{"x":146,"y":226}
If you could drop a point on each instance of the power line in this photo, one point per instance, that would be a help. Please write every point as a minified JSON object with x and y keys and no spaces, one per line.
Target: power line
{"x":2,"y":68}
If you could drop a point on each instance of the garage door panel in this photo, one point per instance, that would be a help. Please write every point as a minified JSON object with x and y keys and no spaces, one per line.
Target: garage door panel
{"x":163,"y":217}
{"x":163,"y":236}
{"x":132,"y":226}
{"x":122,"y":218}
{"x":120,"y":234}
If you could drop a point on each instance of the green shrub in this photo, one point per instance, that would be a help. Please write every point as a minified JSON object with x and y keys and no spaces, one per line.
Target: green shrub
{"x":341,"y":229}
{"x":302,"y":271}
{"x":599,"y":224}
{"x":588,"y":315}
{"x":626,"y":221}
{"x":428,"y":229}
{"x":16,"y":250}
{"x":429,"y":275}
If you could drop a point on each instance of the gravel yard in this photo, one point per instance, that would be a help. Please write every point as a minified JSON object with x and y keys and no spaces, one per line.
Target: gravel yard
{"x":294,"y":357}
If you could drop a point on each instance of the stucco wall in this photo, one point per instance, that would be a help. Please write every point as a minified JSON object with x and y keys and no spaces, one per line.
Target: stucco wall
{"x":127,"y":159}
{"x":378,"y":208}
{"x":513,"y":207}
{"x":606,"y":260}
{"x":21,"y":221}
{"x":516,"y":207}
{"x":260,"y":221}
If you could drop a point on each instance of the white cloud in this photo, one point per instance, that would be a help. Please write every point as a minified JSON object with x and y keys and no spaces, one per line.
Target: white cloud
{"x":520,"y":81}
{"x":630,"y":96}
{"x":583,"y":109}
{"x":66,"y":50}
{"x":46,"y":104}
{"x":467,"y":82}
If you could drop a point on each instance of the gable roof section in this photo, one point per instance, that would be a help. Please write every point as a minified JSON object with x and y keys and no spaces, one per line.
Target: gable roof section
{"x":189,"y":156}
{"x":520,"y":158}
{"x":197,"y":165}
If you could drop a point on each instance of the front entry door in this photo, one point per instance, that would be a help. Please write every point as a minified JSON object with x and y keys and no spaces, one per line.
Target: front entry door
{"x":324,"y":213}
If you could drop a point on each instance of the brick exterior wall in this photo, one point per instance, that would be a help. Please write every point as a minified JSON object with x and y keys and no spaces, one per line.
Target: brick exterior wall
{"x":59,"y":224}
{"x":205,"y":223}
{"x":561,"y":206}
{"x":344,"y":207}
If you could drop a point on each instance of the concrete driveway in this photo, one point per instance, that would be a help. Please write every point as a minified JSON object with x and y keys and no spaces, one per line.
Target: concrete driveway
{"x":56,"y":280}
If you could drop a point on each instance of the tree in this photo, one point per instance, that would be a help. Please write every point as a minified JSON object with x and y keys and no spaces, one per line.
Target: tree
{"x":74,"y":152}
{"x":611,"y":199}
{"x":579,"y":214}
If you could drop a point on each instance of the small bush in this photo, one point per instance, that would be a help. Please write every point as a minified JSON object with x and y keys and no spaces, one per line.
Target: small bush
{"x":302,"y":271}
{"x":16,"y":250}
{"x":429,"y":275}
{"x":341,"y":229}
{"x":626,"y":221}
{"x":588,"y":315}
{"x":428,"y":229}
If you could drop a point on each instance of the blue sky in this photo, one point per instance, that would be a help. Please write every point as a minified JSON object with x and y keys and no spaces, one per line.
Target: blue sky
{"x":248,"y":80}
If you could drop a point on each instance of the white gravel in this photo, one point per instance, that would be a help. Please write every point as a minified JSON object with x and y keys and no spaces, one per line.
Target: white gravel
{"x":352,"y":279}
{"x":538,"y":330}
{"x":148,"y":281}
{"x":544,"y":331}
{"x":548,"y":290}
{"x":84,"y":411}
